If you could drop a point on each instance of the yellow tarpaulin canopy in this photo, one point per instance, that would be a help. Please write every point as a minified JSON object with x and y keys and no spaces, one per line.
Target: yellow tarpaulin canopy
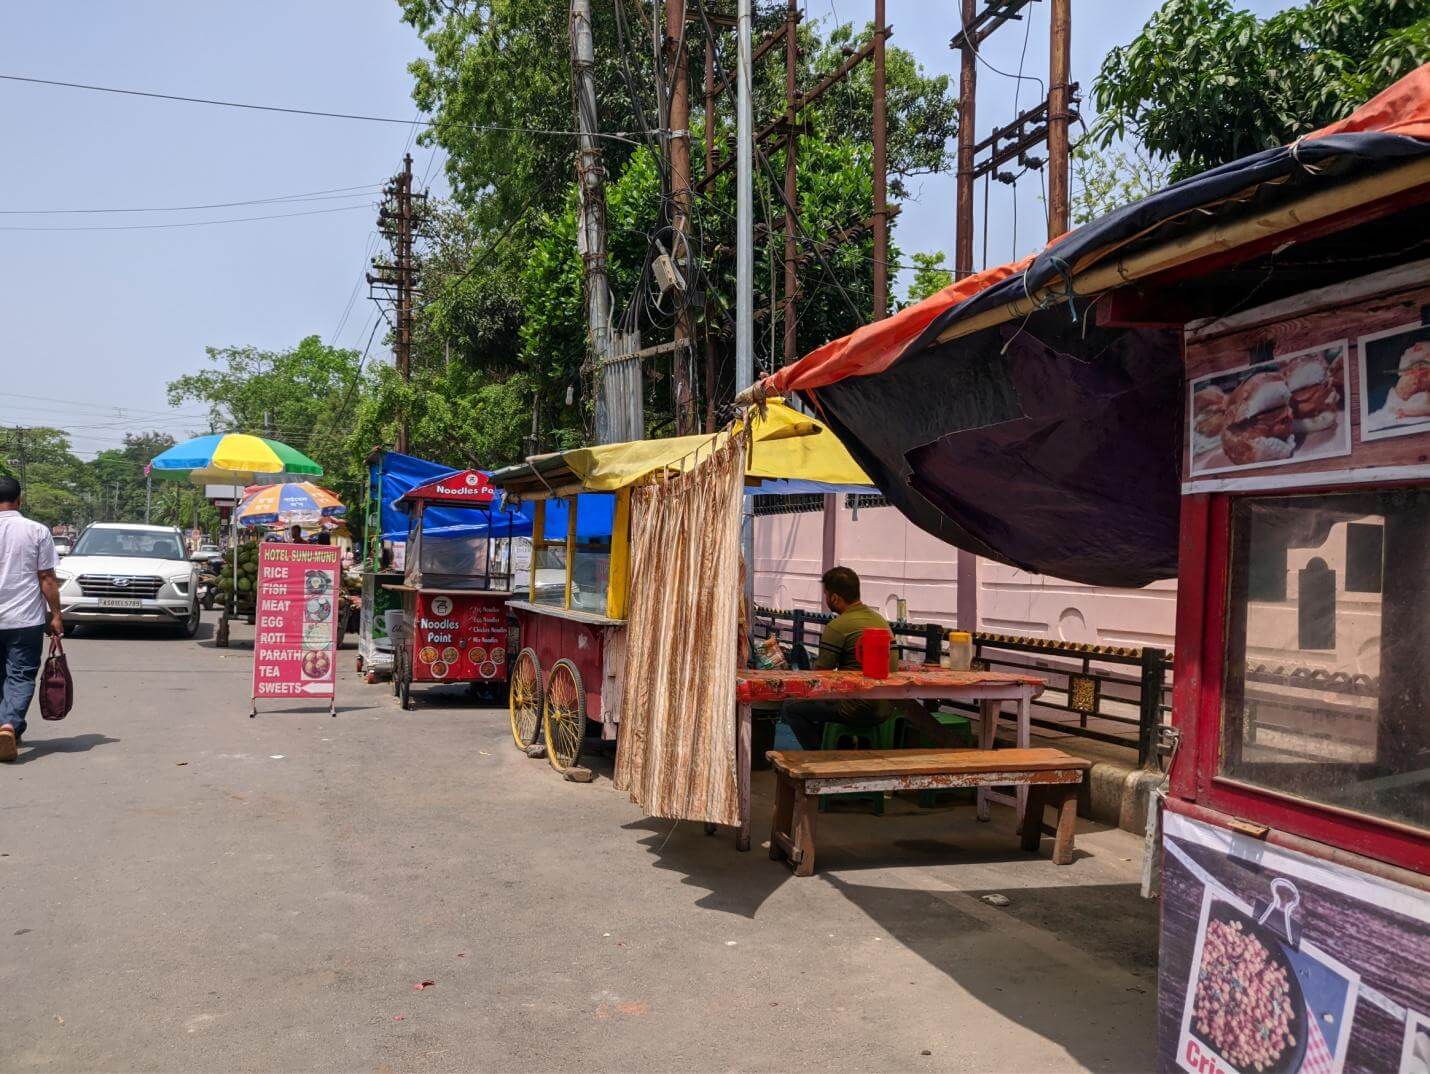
{"x":788,"y":446}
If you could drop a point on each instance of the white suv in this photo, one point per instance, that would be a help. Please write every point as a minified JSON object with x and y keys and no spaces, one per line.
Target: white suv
{"x":128,"y":573}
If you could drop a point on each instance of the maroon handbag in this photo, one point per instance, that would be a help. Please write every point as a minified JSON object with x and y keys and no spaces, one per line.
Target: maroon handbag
{"x":56,"y":685}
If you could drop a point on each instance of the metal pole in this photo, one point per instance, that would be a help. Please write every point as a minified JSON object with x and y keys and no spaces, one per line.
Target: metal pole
{"x":745,"y":265}
{"x":1059,"y":106}
{"x":881,"y":176}
{"x":744,"y":212}
{"x":148,"y":495}
{"x":967,"y":135}
{"x":791,"y":281}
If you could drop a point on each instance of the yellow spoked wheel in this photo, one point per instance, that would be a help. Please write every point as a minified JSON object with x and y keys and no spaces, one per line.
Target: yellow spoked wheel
{"x":565,"y":712}
{"x":523,"y":698}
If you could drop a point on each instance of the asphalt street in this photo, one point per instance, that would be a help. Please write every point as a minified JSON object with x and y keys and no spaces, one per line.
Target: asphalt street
{"x":188,"y":889}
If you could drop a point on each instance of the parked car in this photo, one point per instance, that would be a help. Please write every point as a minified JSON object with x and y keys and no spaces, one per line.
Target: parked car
{"x":129,"y":573}
{"x":62,"y":546}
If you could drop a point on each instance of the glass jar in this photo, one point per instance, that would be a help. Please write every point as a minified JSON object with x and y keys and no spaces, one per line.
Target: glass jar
{"x":960,"y":650}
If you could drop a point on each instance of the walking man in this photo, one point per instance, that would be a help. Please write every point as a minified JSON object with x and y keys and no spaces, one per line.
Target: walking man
{"x":29,"y":606}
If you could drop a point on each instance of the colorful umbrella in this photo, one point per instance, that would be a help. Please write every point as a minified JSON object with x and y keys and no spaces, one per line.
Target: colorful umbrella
{"x":297,"y":501}
{"x":232,"y":459}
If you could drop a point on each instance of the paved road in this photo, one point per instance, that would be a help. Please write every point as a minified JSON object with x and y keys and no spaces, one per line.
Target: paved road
{"x":187,"y":889}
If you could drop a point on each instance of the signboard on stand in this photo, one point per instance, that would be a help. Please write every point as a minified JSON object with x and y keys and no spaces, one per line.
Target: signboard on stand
{"x":459,"y":636}
{"x":295,"y":648}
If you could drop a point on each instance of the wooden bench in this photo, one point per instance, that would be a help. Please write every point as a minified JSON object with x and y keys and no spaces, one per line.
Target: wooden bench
{"x":1052,"y":778}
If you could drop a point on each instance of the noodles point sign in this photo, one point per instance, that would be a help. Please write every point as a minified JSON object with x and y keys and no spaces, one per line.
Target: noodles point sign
{"x":464,"y":487}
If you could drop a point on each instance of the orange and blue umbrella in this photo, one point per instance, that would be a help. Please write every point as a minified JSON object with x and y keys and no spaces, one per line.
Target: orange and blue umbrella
{"x":289,"y":503}
{"x":232,"y":459}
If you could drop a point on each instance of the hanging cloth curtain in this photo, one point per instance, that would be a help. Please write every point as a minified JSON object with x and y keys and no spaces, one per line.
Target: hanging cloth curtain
{"x":676,"y":750}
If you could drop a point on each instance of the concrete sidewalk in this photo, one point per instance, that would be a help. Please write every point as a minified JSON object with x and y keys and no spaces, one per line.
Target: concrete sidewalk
{"x":191,"y":890}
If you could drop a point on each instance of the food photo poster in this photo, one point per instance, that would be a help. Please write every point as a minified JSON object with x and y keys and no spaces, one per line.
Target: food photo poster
{"x":1286,"y":409}
{"x":1395,"y":382}
{"x":1274,"y":962}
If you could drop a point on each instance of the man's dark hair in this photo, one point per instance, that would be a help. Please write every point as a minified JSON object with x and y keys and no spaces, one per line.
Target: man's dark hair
{"x":842,"y":582}
{"x":9,"y":489}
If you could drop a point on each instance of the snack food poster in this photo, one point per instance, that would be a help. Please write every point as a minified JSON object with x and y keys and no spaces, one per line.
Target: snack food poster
{"x":295,"y":647}
{"x":1273,"y":962}
{"x":1289,"y":408}
{"x":460,"y":637}
{"x":1337,"y":413}
{"x":1395,"y":381}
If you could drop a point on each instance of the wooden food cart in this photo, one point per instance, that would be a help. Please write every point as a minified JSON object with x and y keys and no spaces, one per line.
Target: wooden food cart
{"x":454,"y":590}
{"x":567,"y":679}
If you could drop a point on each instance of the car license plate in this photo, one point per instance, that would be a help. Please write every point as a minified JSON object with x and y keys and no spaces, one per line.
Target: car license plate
{"x":119,"y":602}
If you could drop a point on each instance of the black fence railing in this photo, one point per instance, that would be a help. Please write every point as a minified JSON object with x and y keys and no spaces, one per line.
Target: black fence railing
{"x":1113,"y":694}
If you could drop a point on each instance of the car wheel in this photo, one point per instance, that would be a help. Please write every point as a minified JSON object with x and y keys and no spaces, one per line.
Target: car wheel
{"x":190,"y":625}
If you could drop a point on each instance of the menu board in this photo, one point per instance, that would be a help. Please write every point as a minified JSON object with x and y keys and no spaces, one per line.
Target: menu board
{"x":459,"y":637}
{"x":295,"y":649}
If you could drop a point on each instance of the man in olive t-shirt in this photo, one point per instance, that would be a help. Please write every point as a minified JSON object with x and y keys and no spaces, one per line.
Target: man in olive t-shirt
{"x":836,"y":650}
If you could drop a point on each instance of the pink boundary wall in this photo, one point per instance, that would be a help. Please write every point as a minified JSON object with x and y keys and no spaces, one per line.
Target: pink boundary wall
{"x":897,"y":559}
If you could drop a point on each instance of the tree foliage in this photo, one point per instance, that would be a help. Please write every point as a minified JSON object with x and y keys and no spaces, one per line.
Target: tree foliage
{"x":1205,"y":82}
{"x":1104,"y":180}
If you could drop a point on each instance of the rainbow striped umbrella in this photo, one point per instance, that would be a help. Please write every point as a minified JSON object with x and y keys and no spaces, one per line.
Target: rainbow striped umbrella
{"x":232,"y":459}
{"x":285,"y":504}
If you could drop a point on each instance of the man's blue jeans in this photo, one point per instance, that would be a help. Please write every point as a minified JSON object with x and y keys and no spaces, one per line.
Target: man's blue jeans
{"x":20,"y":663}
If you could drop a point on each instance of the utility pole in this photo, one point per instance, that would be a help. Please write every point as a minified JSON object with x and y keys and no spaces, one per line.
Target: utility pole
{"x":678,"y":155}
{"x":619,"y":392}
{"x":395,"y":281}
{"x":881,"y":176}
{"x":1059,"y":116}
{"x":967,"y":102}
{"x":791,"y":280}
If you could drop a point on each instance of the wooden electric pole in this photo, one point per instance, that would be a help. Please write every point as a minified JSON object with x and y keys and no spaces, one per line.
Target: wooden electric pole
{"x":967,"y":106}
{"x":395,"y":281}
{"x":881,"y":172}
{"x":1059,"y":116}
{"x":678,"y":155}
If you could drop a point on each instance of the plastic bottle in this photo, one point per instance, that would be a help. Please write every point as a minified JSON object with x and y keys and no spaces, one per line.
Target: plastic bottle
{"x":960,"y":651}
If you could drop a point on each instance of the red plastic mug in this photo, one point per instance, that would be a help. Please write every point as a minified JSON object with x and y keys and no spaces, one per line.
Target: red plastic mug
{"x":872,"y":651}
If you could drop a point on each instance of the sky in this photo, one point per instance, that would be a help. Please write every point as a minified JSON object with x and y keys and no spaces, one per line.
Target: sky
{"x":94,"y":323}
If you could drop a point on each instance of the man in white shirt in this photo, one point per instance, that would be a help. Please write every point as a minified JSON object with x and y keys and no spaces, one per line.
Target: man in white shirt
{"x":29,"y":605}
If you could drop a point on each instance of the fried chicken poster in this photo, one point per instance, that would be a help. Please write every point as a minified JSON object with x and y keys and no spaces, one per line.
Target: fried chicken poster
{"x":1289,"y":408}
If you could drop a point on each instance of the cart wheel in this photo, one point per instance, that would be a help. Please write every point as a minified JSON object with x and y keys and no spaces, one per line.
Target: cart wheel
{"x":565,"y":709}
{"x":359,"y":665}
{"x":406,"y":694}
{"x":524,"y":698}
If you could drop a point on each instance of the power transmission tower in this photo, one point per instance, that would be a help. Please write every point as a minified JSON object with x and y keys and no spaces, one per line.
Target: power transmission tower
{"x":394,"y":284}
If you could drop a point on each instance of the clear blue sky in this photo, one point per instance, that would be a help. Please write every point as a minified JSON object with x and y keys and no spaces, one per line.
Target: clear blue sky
{"x":96,"y":322}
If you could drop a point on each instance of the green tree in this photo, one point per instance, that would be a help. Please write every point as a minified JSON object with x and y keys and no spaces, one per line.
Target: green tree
{"x":57,"y":488}
{"x":502,"y":282}
{"x":305,"y":397}
{"x":930,"y":277}
{"x":1104,"y":180}
{"x":1205,"y":82}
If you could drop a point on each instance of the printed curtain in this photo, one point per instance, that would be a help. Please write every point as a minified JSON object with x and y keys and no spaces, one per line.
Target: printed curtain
{"x":676,"y":750}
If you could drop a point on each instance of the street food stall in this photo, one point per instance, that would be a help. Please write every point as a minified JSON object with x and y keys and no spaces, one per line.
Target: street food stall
{"x":568,"y":680}
{"x":390,"y":475}
{"x":454,"y":589}
{"x":1226,"y":383}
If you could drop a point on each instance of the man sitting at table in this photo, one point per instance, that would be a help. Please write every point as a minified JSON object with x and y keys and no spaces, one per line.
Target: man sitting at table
{"x":836,"y":650}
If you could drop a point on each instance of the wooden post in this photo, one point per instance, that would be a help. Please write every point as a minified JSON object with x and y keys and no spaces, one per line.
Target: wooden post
{"x":1059,"y":105}
{"x":538,"y":543}
{"x":967,"y":96}
{"x":791,"y":278}
{"x":881,"y":176}
{"x":678,"y":74}
{"x":570,"y":545}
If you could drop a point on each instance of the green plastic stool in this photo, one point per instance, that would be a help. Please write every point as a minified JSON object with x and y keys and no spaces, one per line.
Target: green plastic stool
{"x":878,"y":737}
{"x":961,"y":727}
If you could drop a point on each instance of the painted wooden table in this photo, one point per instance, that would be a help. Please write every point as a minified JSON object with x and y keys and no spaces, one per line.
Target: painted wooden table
{"x":908,"y":686}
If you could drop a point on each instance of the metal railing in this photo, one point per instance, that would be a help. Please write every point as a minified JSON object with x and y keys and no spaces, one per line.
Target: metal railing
{"x":1114,"y":694}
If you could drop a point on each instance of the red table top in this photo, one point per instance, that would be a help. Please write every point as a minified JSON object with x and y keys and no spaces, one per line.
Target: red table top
{"x":752,"y":686}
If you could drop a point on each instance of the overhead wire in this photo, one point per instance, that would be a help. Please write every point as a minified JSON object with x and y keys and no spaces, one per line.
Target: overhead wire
{"x":178,"y":224}
{"x":333,"y":194}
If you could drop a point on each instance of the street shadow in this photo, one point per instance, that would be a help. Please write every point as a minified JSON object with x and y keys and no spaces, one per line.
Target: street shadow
{"x":734,"y":883}
{"x":141,"y":631}
{"x":1108,"y":922}
{"x":33,"y":750}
